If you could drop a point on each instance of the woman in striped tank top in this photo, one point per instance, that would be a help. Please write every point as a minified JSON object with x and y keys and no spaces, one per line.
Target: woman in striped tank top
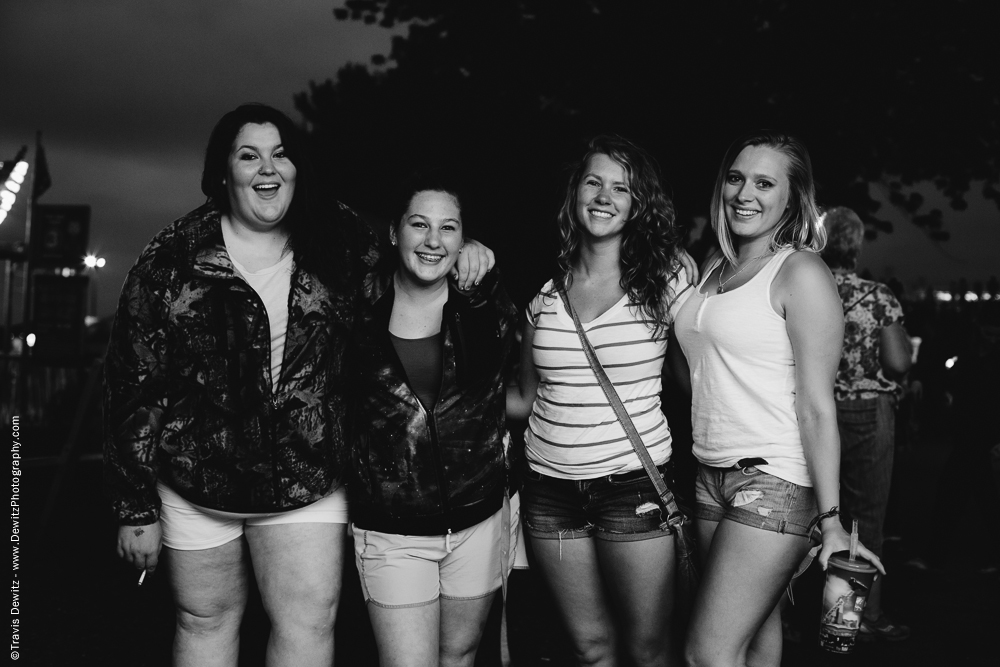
{"x":595,"y":521}
{"x":762,"y":334}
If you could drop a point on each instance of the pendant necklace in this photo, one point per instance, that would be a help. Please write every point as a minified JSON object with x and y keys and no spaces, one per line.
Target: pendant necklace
{"x":722,"y":283}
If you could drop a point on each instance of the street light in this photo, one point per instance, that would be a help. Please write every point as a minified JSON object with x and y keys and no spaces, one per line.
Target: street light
{"x":93,"y":262}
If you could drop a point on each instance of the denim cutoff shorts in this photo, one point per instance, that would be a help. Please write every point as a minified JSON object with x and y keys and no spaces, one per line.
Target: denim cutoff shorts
{"x":615,"y":508}
{"x":754,"y":498}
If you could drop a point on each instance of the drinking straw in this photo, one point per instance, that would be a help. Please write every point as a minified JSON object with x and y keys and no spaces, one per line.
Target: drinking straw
{"x":854,"y":540}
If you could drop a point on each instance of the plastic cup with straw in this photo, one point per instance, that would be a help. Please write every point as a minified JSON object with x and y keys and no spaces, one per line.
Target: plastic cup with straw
{"x":848,"y":581}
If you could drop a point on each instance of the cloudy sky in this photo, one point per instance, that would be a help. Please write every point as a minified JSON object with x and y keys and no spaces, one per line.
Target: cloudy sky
{"x":126,"y":93}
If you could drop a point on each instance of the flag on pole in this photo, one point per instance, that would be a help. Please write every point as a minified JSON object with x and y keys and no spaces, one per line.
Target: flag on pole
{"x":42,"y":181}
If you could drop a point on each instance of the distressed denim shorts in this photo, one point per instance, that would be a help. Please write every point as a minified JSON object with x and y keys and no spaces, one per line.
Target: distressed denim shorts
{"x":616,"y":508}
{"x":754,"y":498}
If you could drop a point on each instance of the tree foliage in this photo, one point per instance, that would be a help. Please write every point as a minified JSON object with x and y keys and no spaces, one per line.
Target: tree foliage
{"x":882,"y":93}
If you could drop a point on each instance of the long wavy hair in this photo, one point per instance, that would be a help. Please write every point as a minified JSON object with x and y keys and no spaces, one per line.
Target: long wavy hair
{"x":649,"y":240}
{"x":799,"y":226}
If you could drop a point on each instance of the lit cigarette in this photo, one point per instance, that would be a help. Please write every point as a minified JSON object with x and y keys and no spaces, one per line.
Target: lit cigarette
{"x":142,"y":577}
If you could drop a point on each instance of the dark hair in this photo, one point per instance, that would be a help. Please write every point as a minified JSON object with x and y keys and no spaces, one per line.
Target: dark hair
{"x":220,"y":144}
{"x":315,"y":235}
{"x":845,"y":234}
{"x":428,"y":179}
{"x":650,"y":238}
{"x":799,"y":226}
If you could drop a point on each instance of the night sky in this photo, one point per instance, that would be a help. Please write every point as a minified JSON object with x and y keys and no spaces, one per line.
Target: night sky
{"x":127,"y":92}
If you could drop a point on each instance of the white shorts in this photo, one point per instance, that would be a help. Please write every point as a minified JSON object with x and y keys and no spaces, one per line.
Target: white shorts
{"x":414,"y":570}
{"x":190,"y":527}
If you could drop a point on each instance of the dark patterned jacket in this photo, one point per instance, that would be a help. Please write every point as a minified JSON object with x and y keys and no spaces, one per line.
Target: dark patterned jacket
{"x":429,"y":473}
{"x":187,"y":392}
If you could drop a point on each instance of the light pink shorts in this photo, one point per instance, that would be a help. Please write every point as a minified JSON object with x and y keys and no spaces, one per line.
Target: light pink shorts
{"x":414,"y":570}
{"x":190,"y":527}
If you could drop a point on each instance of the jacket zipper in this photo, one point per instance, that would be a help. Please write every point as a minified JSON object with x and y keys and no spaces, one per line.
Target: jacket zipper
{"x":445,"y":505}
{"x":271,"y":398}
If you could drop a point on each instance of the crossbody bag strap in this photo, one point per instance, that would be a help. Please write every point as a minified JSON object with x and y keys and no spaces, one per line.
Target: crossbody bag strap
{"x":674,"y":515}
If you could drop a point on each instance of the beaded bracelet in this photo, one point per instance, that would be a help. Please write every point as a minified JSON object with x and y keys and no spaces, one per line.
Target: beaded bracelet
{"x":833,"y":511}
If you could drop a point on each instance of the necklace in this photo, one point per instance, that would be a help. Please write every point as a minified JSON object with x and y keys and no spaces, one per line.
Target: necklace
{"x":722,"y":283}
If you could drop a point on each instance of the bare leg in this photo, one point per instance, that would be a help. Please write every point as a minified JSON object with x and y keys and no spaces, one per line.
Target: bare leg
{"x":407,"y":636}
{"x":462,"y":624}
{"x":746,"y":571}
{"x":640,"y":578}
{"x":210,"y":591}
{"x":298,"y":567}
{"x":572,"y":572}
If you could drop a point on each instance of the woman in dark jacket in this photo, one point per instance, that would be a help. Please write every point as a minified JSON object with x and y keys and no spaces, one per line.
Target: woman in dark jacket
{"x":223,"y":397}
{"x":429,"y":474}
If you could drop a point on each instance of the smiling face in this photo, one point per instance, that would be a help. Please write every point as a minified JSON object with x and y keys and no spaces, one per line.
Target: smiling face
{"x":603,"y":198}
{"x":428,"y":237}
{"x":756,"y":192}
{"x":260,"y":178}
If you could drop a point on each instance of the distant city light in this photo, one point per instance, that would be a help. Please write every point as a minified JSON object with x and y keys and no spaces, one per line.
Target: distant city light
{"x":941,"y":295}
{"x":30,"y":340}
{"x":971,"y":296}
{"x":94,"y":262}
{"x":950,"y":362}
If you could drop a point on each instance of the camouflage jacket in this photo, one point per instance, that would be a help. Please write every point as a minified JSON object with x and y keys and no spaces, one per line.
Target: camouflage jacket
{"x":187,"y":390}
{"x":420,"y":472}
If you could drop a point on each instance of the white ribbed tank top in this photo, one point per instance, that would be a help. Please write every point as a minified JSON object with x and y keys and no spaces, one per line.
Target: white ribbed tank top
{"x":742,"y":376}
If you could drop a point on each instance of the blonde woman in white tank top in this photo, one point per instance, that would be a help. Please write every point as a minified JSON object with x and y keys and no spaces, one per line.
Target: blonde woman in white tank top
{"x":762,"y":334}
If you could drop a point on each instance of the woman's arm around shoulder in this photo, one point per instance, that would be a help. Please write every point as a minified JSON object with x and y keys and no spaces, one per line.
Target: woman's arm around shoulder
{"x":474,"y":261}
{"x":805,"y":292}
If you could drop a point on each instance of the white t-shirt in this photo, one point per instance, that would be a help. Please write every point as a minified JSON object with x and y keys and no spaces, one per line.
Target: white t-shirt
{"x":572,"y":431}
{"x":273,"y":285}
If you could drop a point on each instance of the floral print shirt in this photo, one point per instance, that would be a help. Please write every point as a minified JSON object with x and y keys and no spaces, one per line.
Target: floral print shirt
{"x":869,"y":307}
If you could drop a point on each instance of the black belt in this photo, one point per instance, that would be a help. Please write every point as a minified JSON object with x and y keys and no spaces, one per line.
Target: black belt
{"x":634,"y":475}
{"x":744,"y":464}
